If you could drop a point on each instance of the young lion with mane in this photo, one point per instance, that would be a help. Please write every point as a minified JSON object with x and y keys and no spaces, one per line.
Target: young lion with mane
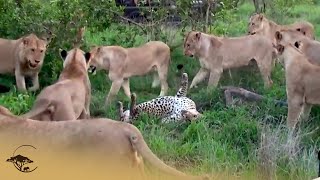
{"x":23,"y":58}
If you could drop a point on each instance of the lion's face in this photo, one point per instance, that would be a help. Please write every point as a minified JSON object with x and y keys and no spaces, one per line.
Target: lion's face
{"x":96,"y":60}
{"x":33,"y":51}
{"x":255,"y":24}
{"x":191,"y":43}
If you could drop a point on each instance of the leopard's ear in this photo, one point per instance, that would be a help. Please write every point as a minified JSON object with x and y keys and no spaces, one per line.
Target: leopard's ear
{"x":184,"y":113}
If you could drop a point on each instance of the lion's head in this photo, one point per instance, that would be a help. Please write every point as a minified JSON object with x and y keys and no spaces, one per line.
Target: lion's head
{"x":255,"y":23}
{"x":191,"y":43}
{"x":288,"y":36}
{"x":33,"y":51}
{"x":96,"y":59}
{"x":197,"y":44}
{"x":75,"y":55}
{"x":281,"y":48}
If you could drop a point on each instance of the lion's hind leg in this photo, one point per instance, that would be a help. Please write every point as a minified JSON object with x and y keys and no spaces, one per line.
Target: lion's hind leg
{"x":156,"y":80}
{"x":64,"y":112}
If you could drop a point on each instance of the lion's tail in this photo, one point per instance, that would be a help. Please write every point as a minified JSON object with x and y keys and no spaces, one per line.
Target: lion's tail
{"x":40,"y":108}
{"x":142,"y":148}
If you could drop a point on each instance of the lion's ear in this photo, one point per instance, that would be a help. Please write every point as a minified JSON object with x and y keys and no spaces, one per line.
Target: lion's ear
{"x":280,"y":48}
{"x":63,"y":54}
{"x":99,"y":49}
{"x":198,"y":35}
{"x":25,"y":41}
{"x":297,"y":44}
{"x":87,"y":55}
{"x":261,"y":17}
{"x":278,"y":36}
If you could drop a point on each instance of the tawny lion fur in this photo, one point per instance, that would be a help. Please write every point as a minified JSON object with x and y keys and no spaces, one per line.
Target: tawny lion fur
{"x":23,"y":58}
{"x":219,"y":53}
{"x":69,"y":98}
{"x":309,"y":47}
{"x":302,"y":82}
{"x":259,"y":24}
{"x":123,"y":63}
{"x":114,"y":142}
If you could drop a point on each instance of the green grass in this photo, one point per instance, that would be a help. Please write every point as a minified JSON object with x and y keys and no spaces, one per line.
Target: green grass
{"x":225,"y":141}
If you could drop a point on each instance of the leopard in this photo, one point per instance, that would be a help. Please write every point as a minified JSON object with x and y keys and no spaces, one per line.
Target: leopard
{"x":169,"y":108}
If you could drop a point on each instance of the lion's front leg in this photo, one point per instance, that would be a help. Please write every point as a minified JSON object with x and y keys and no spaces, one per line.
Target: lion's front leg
{"x":126,"y":87}
{"x":35,"y":83}
{"x":295,"y":107}
{"x":214,"y":77}
{"x":87,"y":99}
{"x":20,"y":81}
{"x":202,"y":73}
{"x":84,"y":114}
{"x":115,"y":87}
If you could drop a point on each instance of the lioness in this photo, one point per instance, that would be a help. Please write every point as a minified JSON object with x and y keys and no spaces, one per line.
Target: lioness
{"x":113,"y":142}
{"x":309,"y":47}
{"x":302,"y":82}
{"x":219,"y":53}
{"x":259,"y":24}
{"x":69,"y":98}
{"x":123,"y":63}
{"x":23,"y":58}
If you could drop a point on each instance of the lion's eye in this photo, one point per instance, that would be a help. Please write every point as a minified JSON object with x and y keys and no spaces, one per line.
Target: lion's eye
{"x":32,"y":50}
{"x":252,"y":24}
{"x":188,"y":45}
{"x":41,"y":51}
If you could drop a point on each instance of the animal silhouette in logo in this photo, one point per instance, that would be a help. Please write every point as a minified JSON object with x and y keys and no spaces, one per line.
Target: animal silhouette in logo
{"x":19,"y":161}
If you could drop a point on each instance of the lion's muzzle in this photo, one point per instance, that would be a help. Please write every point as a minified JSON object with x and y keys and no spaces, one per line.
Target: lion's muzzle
{"x":33,"y":64}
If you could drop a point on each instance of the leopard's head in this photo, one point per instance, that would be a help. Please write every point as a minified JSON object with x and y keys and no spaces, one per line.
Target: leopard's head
{"x":190,"y":114}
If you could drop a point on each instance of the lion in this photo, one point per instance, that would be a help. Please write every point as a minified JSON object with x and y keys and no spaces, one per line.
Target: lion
{"x":123,"y":63}
{"x":259,"y":24}
{"x":24,"y":58}
{"x":69,"y":98}
{"x":113,"y":142}
{"x":302,"y":82}
{"x":219,"y":53}
{"x":308,"y":46}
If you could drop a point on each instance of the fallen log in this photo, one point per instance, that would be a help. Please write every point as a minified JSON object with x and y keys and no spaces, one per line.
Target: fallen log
{"x":230,"y":92}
